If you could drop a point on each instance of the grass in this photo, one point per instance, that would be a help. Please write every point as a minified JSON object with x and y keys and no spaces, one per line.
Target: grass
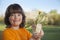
{"x":2,"y":26}
{"x":51,"y":32}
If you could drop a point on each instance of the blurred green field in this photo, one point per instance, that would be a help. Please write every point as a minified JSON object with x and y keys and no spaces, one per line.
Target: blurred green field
{"x":51,"y":32}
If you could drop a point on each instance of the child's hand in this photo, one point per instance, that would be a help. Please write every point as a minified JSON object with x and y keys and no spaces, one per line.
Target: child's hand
{"x":38,"y":35}
{"x":33,"y":27}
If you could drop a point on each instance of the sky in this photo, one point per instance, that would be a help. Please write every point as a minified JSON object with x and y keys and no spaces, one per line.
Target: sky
{"x":28,"y":5}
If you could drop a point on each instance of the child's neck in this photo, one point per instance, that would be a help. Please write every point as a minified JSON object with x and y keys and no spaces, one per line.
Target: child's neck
{"x":15,"y":27}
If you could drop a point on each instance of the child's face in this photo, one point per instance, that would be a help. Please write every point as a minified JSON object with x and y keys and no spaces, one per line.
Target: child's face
{"x":15,"y":19}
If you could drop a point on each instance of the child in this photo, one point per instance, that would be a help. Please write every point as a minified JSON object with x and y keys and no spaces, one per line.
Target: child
{"x":15,"y":22}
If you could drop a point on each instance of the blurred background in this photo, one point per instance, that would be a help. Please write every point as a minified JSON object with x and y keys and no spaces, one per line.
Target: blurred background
{"x":47,"y":11}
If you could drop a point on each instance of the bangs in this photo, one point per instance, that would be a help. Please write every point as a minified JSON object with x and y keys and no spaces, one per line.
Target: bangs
{"x":15,"y":11}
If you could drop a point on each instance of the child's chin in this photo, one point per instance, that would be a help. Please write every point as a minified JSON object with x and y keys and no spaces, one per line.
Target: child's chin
{"x":16,"y":24}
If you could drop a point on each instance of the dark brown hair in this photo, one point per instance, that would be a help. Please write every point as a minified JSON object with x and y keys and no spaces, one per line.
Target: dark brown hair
{"x":14,"y":8}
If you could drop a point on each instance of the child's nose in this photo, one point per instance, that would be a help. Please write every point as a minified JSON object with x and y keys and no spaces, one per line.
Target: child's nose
{"x":16,"y":16}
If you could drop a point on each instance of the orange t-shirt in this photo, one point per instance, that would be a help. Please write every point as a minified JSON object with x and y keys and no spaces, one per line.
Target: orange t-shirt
{"x":20,"y":34}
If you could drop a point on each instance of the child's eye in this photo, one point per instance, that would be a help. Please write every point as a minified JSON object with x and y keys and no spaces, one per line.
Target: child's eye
{"x":18,"y":14}
{"x":12,"y":15}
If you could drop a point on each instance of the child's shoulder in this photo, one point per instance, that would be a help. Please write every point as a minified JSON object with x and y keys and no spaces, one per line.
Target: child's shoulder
{"x":6,"y":29}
